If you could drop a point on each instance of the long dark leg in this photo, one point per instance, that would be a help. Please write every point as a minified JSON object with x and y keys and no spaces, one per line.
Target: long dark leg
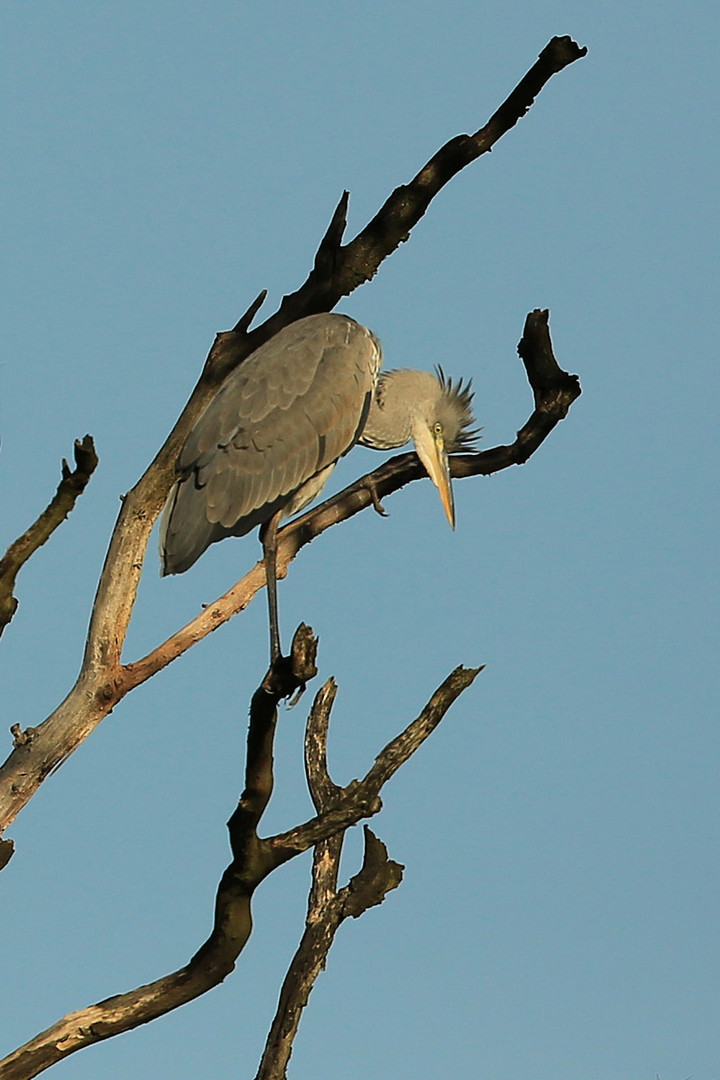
{"x":268,"y":537}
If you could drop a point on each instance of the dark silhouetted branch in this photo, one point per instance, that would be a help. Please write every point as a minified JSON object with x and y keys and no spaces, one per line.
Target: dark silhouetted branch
{"x":253,"y":859}
{"x":337,"y":273}
{"x":368,"y":887}
{"x":233,"y":920}
{"x":7,"y":849}
{"x":73,"y":483}
{"x":361,"y":798}
{"x":339,"y":270}
{"x":243,"y":323}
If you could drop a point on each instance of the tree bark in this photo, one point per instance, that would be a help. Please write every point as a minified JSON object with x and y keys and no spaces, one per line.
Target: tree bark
{"x":253,"y":858}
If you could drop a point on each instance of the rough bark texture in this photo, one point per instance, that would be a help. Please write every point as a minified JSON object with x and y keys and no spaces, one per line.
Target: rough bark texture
{"x":253,"y":858}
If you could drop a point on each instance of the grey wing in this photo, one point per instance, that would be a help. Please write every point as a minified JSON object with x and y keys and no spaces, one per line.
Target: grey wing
{"x":292,"y":408}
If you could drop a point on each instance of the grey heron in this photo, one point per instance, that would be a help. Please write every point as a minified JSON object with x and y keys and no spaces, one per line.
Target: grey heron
{"x":266,"y":443}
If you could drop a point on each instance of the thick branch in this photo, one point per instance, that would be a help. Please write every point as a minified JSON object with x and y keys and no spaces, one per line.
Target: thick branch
{"x":69,"y":489}
{"x":233,"y":918}
{"x":286,"y":676}
{"x":253,"y":859}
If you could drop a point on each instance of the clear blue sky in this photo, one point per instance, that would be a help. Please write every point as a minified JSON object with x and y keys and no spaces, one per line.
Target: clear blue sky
{"x":559,"y":916}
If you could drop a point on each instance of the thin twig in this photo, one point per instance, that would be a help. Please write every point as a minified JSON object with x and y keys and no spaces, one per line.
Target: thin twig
{"x":361,"y":798}
{"x":69,"y":490}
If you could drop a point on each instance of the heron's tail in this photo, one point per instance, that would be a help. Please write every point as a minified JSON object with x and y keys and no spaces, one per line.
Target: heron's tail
{"x":184,"y":533}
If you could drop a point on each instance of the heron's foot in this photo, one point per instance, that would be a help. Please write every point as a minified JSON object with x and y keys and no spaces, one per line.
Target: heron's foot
{"x":288,"y":675}
{"x":279,"y":681}
{"x":377,"y":505}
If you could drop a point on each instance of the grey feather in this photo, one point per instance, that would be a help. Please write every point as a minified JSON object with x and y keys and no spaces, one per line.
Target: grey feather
{"x":287,"y":413}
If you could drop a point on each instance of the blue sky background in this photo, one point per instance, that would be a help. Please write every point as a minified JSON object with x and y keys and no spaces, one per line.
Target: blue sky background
{"x":559,"y":916}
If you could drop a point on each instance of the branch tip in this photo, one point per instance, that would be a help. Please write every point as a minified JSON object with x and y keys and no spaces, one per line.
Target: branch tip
{"x":243,"y":324}
{"x":71,"y":486}
{"x":327,"y":255}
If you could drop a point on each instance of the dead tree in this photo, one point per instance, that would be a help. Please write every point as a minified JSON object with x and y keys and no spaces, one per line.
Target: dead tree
{"x":105,"y":679}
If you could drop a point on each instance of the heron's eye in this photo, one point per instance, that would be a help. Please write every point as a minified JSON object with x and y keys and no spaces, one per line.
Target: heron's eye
{"x":438,"y":429}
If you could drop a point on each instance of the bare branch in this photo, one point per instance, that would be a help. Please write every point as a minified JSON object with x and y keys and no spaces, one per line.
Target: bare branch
{"x":337,"y":275}
{"x":339,"y":270}
{"x":361,"y":798}
{"x":233,"y":919}
{"x":324,"y":912}
{"x":69,"y":489}
{"x":327,"y":907}
{"x":323,"y":791}
{"x":7,"y":849}
{"x":253,"y":859}
{"x":368,"y":887}
{"x":243,"y":323}
{"x":287,"y":675}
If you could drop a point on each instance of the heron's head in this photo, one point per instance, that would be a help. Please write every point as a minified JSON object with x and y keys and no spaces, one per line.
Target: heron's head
{"x":441,"y":424}
{"x":433,"y":411}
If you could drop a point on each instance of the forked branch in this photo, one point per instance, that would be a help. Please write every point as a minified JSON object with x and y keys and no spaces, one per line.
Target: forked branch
{"x":73,"y":483}
{"x":253,"y":859}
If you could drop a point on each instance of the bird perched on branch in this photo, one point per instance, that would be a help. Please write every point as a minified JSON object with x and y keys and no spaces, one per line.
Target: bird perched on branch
{"x":265,"y":445}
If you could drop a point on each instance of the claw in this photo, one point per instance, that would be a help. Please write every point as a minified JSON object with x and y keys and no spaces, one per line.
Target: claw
{"x":377,"y":505}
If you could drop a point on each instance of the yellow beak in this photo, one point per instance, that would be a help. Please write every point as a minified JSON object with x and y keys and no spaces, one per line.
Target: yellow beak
{"x":430,"y":447}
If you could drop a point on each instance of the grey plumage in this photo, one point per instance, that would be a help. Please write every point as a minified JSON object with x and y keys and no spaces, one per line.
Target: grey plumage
{"x":403,"y":398}
{"x":266,"y":443}
{"x":284,"y":416}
